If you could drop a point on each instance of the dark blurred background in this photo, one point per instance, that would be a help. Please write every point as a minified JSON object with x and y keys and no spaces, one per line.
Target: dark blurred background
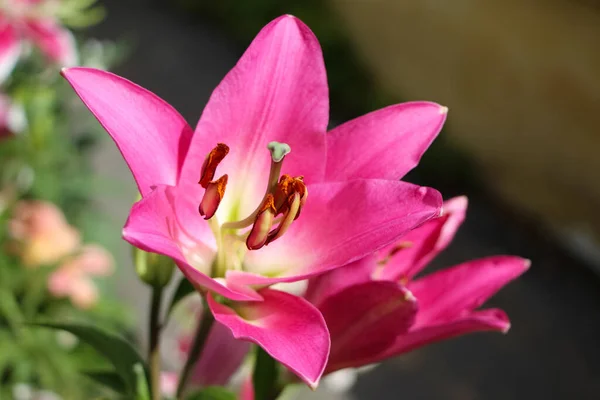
{"x":522,"y":81}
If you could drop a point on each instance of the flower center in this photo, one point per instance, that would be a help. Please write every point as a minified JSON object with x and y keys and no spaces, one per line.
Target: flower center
{"x":281,"y":205}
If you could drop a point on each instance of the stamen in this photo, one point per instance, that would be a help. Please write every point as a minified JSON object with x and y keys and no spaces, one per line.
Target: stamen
{"x":283,"y":192}
{"x":300,"y":188}
{"x":262,"y":225}
{"x":211,"y":162}
{"x":293,"y":208}
{"x":212,"y":197}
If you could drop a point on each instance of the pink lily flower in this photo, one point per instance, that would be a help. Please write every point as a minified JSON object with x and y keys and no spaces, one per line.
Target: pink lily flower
{"x":375,"y":309}
{"x":33,"y":21}
{"x":258,"y":151}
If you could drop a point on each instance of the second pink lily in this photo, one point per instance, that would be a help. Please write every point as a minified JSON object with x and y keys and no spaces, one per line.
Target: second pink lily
{"x":375,"y":309}
{"x":259,"y":193}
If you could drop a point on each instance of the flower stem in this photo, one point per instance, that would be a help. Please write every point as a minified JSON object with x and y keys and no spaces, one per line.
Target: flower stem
{"x":202,"y":333}
{"x":154,"y":348}
{"x":265,"y":377}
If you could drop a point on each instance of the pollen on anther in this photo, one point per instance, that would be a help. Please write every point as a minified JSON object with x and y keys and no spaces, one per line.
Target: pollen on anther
{"x":212,"y":161}
{"x":268,"y":203}
{"x":262,"y":224}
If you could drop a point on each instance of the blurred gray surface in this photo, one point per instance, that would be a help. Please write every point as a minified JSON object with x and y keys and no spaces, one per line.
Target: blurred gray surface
{"x":551,"y":351}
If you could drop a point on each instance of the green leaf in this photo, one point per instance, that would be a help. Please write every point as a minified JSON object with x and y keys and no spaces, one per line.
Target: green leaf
{"x":9,"y":310}
{"x":212,"y":393}
{"x":116,"y":349}
{"x":265,"y":376}
{"x":183,"y":289}
{"x":143,"y":392}
{"x":108,"y":379}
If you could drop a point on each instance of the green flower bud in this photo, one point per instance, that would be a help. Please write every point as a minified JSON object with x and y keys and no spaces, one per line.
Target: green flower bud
{"x":154,"y":269}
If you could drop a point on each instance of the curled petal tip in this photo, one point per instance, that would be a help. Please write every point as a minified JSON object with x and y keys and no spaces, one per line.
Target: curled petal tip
{"x":461,"y":202}
{"x":454,"y":205}
{"x":443,"y":110}
{"x":527,"y":263}
{"x":431,"y":197}
{"x":506,"y":328}
{"x":408,"y":296}
{"x":288,"y":17}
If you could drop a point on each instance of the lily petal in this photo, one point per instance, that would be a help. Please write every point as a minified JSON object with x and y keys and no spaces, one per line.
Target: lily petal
{"x":366,"y":319}
{"x":287,"y":327}
{"x":220,"y":358}
{"x":155,"y":225}
{"x":386,"y":143}
{"x":323,"y":286}
{"x":478,"y":321}
{"x":144,"y":127}
{"x":449,"y":293}
{"x":57,"y":43}
{"x":421,"y":245}
{"x":276,"y":92}
{"x":10,"y":50}
{"x":341,"y":222}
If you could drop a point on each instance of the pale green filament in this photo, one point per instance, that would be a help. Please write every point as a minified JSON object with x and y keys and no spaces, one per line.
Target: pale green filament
{"x":219,"y":264}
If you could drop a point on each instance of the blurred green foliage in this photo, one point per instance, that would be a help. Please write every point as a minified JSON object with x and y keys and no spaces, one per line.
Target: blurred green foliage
{"x":51,"y":160}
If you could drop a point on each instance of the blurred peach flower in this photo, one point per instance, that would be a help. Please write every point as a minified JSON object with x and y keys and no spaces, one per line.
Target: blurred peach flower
{"x":42,"y":236}
{"x":73,"y":278}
